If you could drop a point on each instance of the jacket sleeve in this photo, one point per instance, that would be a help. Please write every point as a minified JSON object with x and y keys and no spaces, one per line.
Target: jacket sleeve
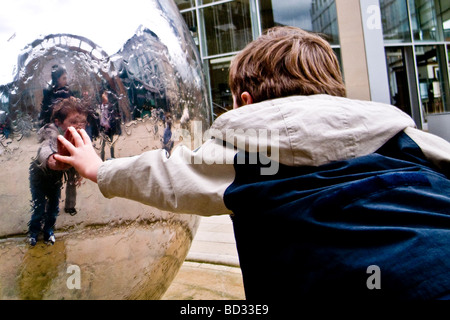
{"x":435,"y":149}
{"x":48,"y":145}
{"x":188,"y":181}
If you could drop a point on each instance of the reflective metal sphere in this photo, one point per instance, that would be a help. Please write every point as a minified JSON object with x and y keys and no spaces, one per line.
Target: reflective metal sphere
{"x":136,"y":67}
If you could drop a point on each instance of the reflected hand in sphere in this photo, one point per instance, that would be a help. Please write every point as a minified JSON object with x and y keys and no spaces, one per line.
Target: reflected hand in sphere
{"x":82,"y":155}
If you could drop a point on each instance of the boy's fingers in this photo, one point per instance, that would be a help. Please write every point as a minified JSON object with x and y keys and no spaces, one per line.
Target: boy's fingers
{"x":85,"y":136}
{"x":70,"y":147}
{"x":77,"y":140}
{"x":63,"y":159}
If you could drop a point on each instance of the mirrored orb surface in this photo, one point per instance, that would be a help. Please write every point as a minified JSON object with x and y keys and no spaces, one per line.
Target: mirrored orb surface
{"x":135,"y":68}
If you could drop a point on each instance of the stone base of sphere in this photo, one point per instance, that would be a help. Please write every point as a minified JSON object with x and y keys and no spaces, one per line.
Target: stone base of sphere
{"x":129,"y":261}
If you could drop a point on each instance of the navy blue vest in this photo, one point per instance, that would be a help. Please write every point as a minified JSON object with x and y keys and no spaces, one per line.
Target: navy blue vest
{"x":315,"y":232}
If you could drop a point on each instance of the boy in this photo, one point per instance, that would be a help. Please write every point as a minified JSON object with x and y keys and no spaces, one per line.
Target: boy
{"x":46,"y":172}
{"x":320,"y":188}
{"x":58,"y":89}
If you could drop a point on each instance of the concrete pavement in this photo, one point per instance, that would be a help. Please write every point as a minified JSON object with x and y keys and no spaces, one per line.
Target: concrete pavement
{"x":211,"y":269}
{"x":214,"y":242}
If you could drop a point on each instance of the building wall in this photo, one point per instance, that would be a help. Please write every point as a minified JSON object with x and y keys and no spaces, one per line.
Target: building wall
{"x":353,"y":53}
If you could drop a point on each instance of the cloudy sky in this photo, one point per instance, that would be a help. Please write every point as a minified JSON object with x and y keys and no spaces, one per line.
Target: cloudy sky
{"x":293,"y":12}
{"x":109,"y":23}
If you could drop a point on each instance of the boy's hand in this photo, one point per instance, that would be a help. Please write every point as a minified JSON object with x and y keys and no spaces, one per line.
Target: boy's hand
{"x":82,"y":154}
{"x":54,"y":164}
{"x":61,"y":149}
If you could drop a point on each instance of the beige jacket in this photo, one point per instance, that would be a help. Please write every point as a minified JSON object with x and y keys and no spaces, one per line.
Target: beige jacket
{"x":303,"y":131}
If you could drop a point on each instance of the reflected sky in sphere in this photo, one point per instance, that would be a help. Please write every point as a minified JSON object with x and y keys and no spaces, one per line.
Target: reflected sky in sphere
{"x":108,"y":23}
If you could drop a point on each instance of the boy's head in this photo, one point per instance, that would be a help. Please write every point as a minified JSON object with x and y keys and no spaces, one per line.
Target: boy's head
{"x":282,"y":62}
{"x":59,"y":76}
{"x":70,"y":112}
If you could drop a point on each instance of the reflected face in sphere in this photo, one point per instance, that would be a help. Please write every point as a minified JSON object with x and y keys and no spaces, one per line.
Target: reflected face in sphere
{"x":150,"y":68}
{"x":73,"y":119}
{"x":62,"y":81}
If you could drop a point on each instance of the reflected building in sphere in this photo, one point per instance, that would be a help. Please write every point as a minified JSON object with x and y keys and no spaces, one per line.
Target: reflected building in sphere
{"x":146,"y":76}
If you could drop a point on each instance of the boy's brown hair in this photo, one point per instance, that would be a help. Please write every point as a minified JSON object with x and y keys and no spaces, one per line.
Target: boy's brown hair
{"x":63,"y":107}
{"x":286,"y":61}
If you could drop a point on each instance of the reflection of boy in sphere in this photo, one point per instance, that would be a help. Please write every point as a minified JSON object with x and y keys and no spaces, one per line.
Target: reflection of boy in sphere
{"x":46,"y":172}
{"x":57,"y":90}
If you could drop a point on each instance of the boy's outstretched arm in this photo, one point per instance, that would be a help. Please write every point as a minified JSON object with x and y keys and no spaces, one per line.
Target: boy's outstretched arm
{"x":82,"y":154}
{"x":187,"y":181}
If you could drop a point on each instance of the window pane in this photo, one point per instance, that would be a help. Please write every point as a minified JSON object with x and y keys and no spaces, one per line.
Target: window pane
{"x":446,"y":78}
{"x":185,"y":4}
{"x":200,"y":2}
{"x":324,"y":20}
{"x":337,"y":51}
{"x":444,"y":13}
{"x":220,"y":91}
{"x":228,"y":27}
{"x":394,"y":15}
{"x":398,"y":79}
{"x":312,"y":15}
{"x":423,"y":19}
{"x":433,"y":82}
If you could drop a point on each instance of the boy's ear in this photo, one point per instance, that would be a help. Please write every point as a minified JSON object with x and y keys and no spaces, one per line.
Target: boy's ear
{"x":246,"y":98}
{"x":57,"y":122}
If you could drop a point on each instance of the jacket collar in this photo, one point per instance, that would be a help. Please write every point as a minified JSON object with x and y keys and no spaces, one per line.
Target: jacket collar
{"x":311,"y":130}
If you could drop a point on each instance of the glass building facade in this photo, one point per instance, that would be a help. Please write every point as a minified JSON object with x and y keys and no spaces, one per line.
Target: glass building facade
{"x":417,"y":42}
{"x":222,"y":28}
{"x":416,"y":35}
